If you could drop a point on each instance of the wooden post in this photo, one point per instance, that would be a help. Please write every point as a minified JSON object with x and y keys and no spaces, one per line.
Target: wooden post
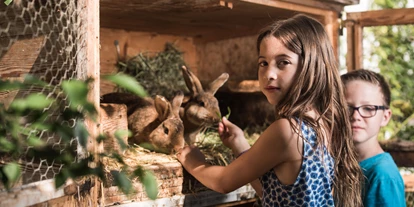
{"x":88,"y":67}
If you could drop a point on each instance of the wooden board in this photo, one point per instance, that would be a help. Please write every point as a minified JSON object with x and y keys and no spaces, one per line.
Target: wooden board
{"x":113,"y":117}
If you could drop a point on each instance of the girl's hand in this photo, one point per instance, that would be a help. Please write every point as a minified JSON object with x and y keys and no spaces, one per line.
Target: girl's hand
{"x":190,"y":157}
{"x":232,"y":136}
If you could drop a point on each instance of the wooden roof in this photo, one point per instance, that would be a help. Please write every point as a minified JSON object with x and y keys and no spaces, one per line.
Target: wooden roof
{"x":207,"y":18}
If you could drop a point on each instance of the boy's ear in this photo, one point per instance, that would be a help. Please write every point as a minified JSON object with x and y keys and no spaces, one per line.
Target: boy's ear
{"x":386,"y":118}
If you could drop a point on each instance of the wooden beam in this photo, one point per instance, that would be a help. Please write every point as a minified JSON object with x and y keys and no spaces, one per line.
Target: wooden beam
{"x":382,"y":17}
{"x":319,"y":4}
{"x":290,"y":6}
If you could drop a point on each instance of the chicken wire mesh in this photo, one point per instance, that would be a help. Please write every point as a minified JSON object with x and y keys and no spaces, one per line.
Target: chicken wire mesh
{"x":41,"y":38}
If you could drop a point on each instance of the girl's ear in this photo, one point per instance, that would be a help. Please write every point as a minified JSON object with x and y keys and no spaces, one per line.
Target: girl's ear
{"x":386,"y":117}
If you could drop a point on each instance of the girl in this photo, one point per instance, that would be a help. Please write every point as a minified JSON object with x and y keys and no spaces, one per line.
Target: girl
{"x":306,"y":157}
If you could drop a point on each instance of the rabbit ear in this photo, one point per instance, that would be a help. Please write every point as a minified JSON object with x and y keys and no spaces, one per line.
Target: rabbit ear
{"x":192,"y":82}
{"x":163,"y":107}
{"x":176,"y":102}
{"x":216,"y":84}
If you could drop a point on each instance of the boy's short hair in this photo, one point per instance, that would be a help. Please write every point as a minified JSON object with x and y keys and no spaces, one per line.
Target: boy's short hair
{"x":370,"y":77}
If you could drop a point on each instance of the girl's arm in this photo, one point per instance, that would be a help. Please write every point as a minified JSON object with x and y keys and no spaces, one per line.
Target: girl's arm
{"x":276,"y":145}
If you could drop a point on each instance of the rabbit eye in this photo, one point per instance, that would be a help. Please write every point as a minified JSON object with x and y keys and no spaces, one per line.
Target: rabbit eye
{"x":166,"y":130}
{"x":201,"y":104}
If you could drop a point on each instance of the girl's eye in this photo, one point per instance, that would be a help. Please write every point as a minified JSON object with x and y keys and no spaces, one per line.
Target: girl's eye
{"x":262,"y":64}
{"x":283,"y":63}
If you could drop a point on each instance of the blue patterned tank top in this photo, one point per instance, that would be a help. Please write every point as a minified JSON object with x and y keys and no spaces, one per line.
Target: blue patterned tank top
{"x":313,"y":186}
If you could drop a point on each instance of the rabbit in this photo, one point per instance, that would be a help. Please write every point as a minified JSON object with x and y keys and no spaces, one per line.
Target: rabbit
{"x":200,"y":109}
{"x":153,"y":121}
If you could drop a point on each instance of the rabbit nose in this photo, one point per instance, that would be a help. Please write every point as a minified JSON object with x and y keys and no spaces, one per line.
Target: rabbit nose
{"x":216,"y":124}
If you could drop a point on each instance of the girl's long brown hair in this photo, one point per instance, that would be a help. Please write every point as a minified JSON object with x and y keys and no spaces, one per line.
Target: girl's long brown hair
{"x":318,"y":86}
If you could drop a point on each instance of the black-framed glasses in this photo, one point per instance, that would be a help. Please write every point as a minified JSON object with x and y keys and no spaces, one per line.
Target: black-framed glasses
{"x":366,"y":111}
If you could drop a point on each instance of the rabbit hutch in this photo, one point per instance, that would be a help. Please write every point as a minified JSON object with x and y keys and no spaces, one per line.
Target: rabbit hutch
{"x":62,"y":40}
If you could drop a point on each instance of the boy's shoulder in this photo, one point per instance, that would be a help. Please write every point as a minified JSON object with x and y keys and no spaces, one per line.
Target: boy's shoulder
{"x":381,"y":166}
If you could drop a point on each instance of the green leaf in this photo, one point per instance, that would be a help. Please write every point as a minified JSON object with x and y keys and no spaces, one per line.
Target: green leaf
{"x":127,"y":82}
{"x":61,"y":178}
{"x":228,"y":115}
{"x":122,"y":181}
{"x":118,"y":158}
{"x":148,"y":181}
{"x":119,"y":134}
{"x":10,"y":85}
{"x":12,"y":172}
{"x":33,"y":102}
{"x":6,"y":145}
{"x":77,"y":92}
{"x":7,"y":2}
{"x":35,"y":142}
{"x":150,"y":184}
{"x":101,"y":138}
{"x":81,"y":133}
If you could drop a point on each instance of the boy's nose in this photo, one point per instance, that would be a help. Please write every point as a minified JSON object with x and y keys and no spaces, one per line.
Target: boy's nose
{"x":355,"y":114}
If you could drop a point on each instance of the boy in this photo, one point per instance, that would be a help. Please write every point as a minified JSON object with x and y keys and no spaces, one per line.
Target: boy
{"x":368,"y":96}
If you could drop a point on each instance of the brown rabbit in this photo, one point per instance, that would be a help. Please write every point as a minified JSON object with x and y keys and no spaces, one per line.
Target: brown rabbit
{"x":153,"y":121}
{"x":200,"y":109}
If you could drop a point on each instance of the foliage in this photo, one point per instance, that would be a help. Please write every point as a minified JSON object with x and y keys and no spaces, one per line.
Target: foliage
{"x":24,"y":120}
{"x":394,"y":48}
{"x":159,"y":73}
{"x":7,"y":2}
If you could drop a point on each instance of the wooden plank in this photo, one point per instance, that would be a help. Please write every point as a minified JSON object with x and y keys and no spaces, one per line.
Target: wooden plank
{"x":236,"y":56}
{"x":20,"y":57}
{"x":382,"y":17}
{"x":113,"y":117}
{"x":201,"y":199}
{"x":31,"y":194}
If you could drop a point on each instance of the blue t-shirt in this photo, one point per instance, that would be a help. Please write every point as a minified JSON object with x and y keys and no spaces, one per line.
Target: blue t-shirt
{"x":313,"y":186}
{"x":384,"y":185}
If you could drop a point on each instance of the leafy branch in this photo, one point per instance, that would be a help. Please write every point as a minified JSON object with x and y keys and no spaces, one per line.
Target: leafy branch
{"x":25,"y":120}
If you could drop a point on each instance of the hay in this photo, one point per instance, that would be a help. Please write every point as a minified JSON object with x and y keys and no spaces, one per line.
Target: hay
{"x":209,"y":143}
{"x":157,"y":73}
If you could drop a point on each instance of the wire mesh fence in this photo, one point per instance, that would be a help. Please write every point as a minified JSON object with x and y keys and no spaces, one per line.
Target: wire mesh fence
{"x":40,"y":38}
